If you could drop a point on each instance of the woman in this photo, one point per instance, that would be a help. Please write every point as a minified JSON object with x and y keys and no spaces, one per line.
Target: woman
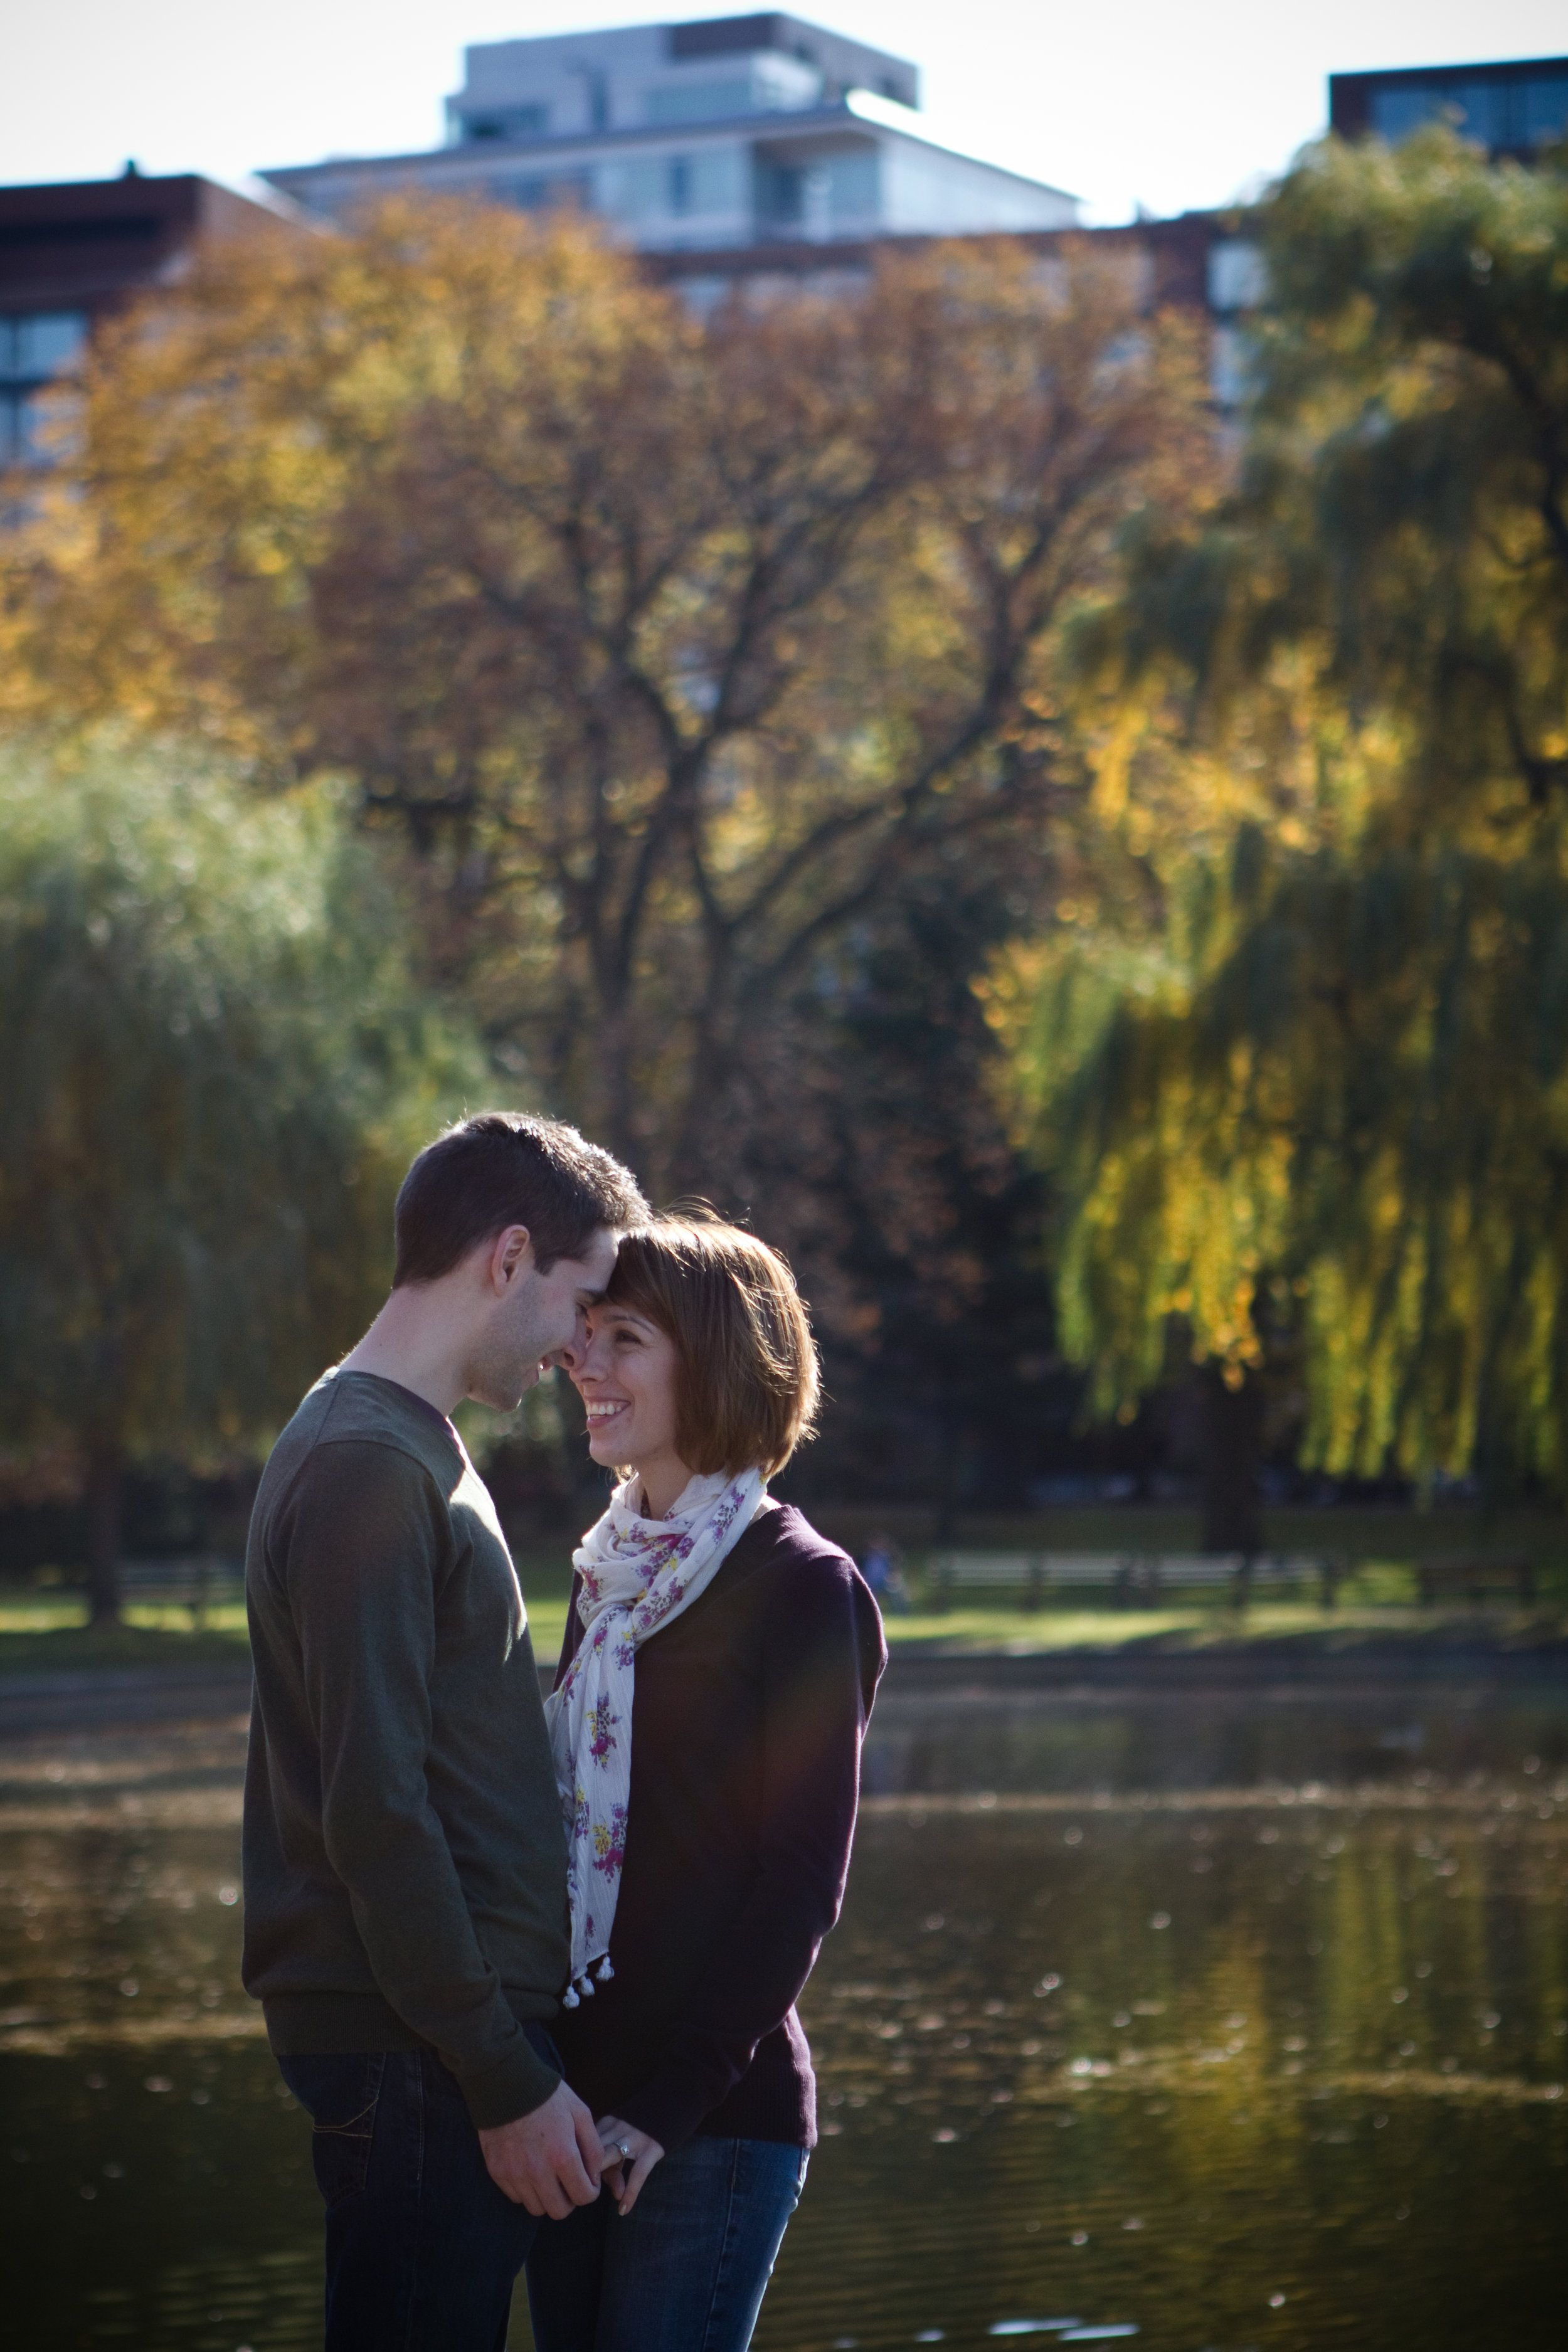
{"x":719,"y":1668}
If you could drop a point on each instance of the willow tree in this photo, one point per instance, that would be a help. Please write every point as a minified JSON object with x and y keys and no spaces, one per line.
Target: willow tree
{"x":1402,"y":508}
{"x":214,"y":1064}
{"x":1316,"y":1103}
{"x":674,"y":649}
{"x":1345,"y":1133}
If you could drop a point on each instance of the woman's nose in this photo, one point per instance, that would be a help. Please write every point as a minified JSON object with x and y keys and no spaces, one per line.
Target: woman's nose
{"x":577,"y":1355}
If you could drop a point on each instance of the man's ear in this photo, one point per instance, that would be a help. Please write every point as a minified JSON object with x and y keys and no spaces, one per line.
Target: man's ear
{"x":510,"y":1254}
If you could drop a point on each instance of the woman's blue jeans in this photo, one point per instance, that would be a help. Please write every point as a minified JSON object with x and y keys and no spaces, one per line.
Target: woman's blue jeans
{"x":685,"y":2271}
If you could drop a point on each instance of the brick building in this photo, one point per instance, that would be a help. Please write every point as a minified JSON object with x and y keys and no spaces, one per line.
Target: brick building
{"x":74,"y":252}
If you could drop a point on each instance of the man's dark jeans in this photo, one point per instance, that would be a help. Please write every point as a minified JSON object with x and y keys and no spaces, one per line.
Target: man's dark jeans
{"x":422,"y":2247}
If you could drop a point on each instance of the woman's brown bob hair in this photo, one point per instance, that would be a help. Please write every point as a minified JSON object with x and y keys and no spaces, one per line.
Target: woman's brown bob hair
{"x":747,"y":1383}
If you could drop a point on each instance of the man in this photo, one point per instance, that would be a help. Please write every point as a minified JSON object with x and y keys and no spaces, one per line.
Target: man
{"x":405,"y":1862}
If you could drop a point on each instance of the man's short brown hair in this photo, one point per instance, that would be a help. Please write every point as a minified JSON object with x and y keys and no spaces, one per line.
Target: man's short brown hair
{"x":747,"y":1382}
{"x":503,"y":1167}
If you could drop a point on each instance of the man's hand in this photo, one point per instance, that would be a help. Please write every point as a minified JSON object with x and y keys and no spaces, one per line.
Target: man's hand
{"x":548,"y":2160}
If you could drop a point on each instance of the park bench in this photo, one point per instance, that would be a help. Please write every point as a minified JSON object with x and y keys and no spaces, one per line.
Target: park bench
{"x":193,"y":1580}
{"x":1032,"y":1572}
{"x":1245,"y":1574}
{"x":1475,"y":1574}
{"x":1130,"y":1577}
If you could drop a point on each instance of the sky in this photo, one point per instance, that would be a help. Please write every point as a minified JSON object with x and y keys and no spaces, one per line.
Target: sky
{"x":1139,"y":102}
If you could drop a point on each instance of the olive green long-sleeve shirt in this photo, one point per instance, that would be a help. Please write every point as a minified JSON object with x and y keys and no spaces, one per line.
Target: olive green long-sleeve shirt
{"x":405,"y":1861}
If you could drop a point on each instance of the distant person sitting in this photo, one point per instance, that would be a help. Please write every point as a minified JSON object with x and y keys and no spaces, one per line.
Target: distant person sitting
{"x":882,"y":1569}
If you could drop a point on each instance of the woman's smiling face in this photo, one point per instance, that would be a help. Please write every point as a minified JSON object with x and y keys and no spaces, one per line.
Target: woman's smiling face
{"x":626,"y":1374}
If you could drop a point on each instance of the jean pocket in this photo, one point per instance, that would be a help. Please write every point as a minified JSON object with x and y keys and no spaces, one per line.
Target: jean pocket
{"x":339,"y":2095}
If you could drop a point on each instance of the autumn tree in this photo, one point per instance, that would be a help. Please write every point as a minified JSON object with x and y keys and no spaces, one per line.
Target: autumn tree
{"x":1315,"y":1104}
{"x":213,"y":1067}
{"x":673,"y":648}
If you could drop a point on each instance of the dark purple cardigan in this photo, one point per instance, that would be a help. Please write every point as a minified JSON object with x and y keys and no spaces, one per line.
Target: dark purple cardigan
{"x":746,"y":1732}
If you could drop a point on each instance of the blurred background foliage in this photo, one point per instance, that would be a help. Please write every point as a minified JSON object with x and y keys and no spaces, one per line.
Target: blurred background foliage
{"x":1083,"y":874}
{"x":213,"y":1068}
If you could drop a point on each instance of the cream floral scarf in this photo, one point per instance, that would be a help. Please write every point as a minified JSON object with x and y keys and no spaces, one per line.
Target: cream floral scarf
{"x":636,"y":1575}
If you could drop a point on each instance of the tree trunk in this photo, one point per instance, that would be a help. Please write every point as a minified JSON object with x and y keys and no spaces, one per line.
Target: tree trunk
{"x":103,"y":1506}
{"x":1232,"y":1448}
{"x":616,"y":1126}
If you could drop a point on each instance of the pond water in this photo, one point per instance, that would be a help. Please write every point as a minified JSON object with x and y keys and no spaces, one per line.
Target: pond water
{"x":1214,"y":2022}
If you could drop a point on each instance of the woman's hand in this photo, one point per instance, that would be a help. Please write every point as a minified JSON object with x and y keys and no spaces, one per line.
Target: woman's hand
{"x":629,"y":2157}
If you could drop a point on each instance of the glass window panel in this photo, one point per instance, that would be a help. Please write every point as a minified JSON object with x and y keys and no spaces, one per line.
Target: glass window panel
{"x":53,"y":339}
{"x":545,"y":192}
{"x":1484,"y":107}
{"x":21,"y":443}
{"x":1542,"y":109}
{"x":639,"y":190}
{"x":1396,"y":113}
{"x":39,"y":344}
{"x":30,"y":419}
{"x":781,"y":193}
{"x":508,"y":123}
{"x":852,"y":186}
{"x":700,"y":101}
{"x":715,"y":181}
{"x":1235,"y":273}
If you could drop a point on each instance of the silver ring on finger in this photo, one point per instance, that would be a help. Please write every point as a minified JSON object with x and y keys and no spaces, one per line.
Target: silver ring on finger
{"x":625,"y":2152}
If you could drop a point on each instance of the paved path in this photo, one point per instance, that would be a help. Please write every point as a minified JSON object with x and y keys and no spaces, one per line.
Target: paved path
{"x":1259,"y":1666}
{"x":65,"y":1702}
{"x":104,"y":1695}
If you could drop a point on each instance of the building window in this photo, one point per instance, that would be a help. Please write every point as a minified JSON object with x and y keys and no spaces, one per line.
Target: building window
{"x":1542,"y":104}
{"x":38,"y":344}
{"x":660,"y":187}
{"x":18,"y":429}
{"x":853,"y":187}
{"x":1514,"y":115}
{"x":1482,"y":107}
{"x":508,"y":123}
{"x":1236,"y":274}
{"x":701,"y":102}
{"x":639,"y":190}
{"x":1396,"y":113}
{"x":781,"y":194}
{"x":545,"y":192}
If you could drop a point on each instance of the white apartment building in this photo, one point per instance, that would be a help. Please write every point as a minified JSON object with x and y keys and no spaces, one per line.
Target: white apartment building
{"x":729,"y":132}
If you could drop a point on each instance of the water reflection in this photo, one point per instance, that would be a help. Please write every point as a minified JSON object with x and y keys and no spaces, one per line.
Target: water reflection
{"x":1231,"y":2022}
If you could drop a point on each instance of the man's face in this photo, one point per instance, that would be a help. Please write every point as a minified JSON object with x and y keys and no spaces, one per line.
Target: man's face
{"x":540,"y":1314}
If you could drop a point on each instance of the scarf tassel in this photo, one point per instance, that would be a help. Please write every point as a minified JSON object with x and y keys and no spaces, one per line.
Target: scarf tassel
{"x":582,"y":1988}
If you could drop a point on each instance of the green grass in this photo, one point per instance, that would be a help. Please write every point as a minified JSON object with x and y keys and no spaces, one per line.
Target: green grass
{"x":1370,"y":1536}
{"x":52,"y":1635}
{"x":56,"y":1649}
{"x":1271,"y":1627}
{"x":43,"y":1627}
{"x":1268,"y":1626}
